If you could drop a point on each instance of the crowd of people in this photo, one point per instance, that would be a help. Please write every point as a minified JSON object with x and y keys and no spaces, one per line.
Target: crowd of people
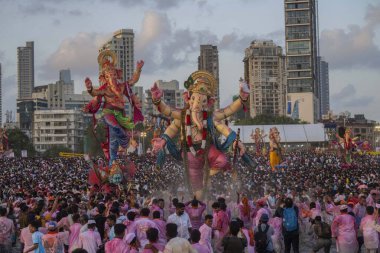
{"x":47,"y":205}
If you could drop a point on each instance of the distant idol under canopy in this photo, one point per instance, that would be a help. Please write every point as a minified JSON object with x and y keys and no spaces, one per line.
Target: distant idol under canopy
{"x":114,"y":95}
{"x":197,"y":124}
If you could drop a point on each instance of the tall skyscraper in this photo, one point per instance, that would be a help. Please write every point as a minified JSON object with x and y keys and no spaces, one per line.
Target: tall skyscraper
{"x":65,"y":79}
{"x":264,"y":70}
{"x":324,"y":85}
{"x":301,"y":57}
{"x":122,"y":44}
{"x":1,"y":101}
{"x":209,"y":61}
{"x":25,"y":70}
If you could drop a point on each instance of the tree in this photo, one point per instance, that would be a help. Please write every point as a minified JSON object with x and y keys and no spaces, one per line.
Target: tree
{"x":93,"y":139}
{"x":18,"y":140}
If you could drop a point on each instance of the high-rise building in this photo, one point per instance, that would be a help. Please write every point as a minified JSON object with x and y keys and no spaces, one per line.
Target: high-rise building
{"x":324,"y":86}
{"x":264,"y":70}
{"x":25,"y":70}
{"x":209,"y":61}
{"x":58,"y":128}
{"x":301,"y":57}
{"x":172,"y":96}
{"x":122,"y":44}
{"x":65,"y":79}
{"x":1,"y":102}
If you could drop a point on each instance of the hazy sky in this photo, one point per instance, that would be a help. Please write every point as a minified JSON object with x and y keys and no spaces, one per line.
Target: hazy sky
{"x":67,"y":34}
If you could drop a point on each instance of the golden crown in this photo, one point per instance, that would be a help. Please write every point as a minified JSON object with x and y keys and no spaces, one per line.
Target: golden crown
{"x":201,"y":82}
{"x":107,"y":60}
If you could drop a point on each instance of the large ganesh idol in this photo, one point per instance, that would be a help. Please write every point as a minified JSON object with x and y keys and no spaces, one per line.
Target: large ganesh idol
{"x":114,"y":95}
{"x":197,"y":124}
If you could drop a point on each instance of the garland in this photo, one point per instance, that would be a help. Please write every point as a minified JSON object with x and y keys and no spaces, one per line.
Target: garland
{"x":189,"y":139}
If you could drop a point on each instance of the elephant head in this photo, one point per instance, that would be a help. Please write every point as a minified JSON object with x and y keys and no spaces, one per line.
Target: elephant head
{"x":199,"y":97}
{"x":198,"y":102}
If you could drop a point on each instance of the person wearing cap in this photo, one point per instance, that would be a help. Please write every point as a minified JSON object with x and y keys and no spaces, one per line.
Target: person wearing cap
{"x":90,"y":240}
{"x":264,"y":226}
{"x":117,"y":244}
{"x":53,"y":241}
{"x":195,"y":209}
{"x":370,"y":235}
{"x":343,"y":229}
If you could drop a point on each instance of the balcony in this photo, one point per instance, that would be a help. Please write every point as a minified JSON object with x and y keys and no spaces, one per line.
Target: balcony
{"x":297,"y":21}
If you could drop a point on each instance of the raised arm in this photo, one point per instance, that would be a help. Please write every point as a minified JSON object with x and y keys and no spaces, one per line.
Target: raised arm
{"x":136,"y":75}
{"x":161,"y":106}
{"x":91,"y":90}
{"x":234,"y":107}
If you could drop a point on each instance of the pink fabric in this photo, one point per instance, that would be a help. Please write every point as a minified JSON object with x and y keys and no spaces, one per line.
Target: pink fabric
{"x":195,"y":215}
{"x":157,"y":246}
{"x":371,"y":236}
{"x":343,"y":227}
{"x":260,"y":212}
{"x":247,"y":219}
{"x":90,"y":241}
{"x":116,"y":245}
{"x":142,"y":225}
{"x":201,"y":248}
{"x":216,"y":159}
{"x":206,"y":236}
{"x":314,"y":212}
{"x":26,"y":238}
{"x":161,"y":225}
{"x":7,"y":229}
{"x":74,"y":236}
{"x":131,"y":226}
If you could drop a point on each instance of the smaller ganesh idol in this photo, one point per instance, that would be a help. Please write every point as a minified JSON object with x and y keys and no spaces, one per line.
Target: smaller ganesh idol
{"x":275,"y":152}
{"x":258,"y":137}
{"x":347,"y":143}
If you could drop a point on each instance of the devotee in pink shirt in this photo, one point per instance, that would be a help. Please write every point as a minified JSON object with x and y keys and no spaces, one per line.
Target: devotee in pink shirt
{"x":371,"y":236}
{"x":153,"y":246}
{"x":195,"y":209}
{"x":7,"y":230}
{"x":195,"y":237}
{"x":343,"y":229}
{"x":26,"y":238}
{"x":117,"y":244}
{"x":142,"y":225}
{"x":206,"y":232}
{"x":161,"y":226}
{"x":90,"y":240}
{"x":74,"y":233}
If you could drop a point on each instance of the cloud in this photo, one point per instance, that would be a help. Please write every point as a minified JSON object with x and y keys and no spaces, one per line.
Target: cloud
{"x":36,"y":8}
{"x":78,"y":53}
{"x":355,"y":47}
{"x":348,"y":98}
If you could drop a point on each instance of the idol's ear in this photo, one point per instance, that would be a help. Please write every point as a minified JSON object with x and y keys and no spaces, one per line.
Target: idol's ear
{"x":211,"y":101}
{"x":186,"y":97}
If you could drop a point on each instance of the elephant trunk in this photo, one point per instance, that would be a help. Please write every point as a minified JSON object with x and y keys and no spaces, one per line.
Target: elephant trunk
{"x":197,"y":121}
